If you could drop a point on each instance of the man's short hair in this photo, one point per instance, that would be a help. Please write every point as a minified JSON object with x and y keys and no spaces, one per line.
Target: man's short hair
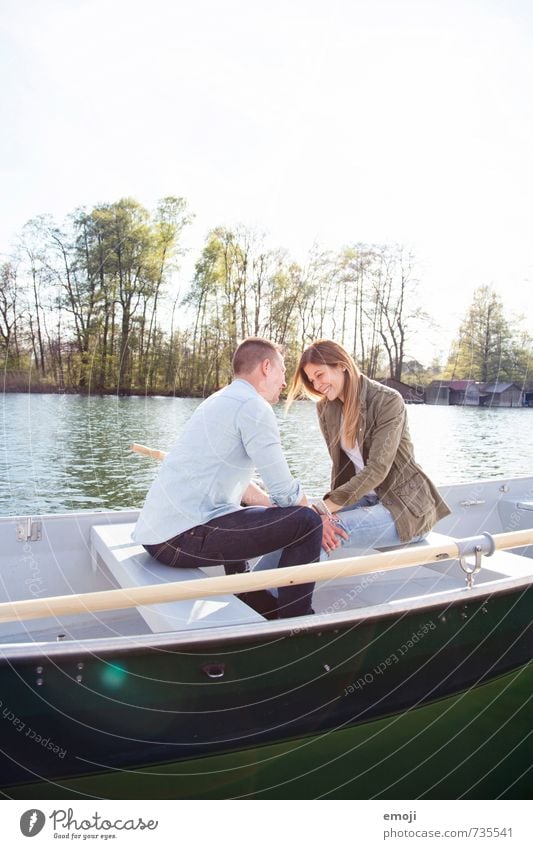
{"x":253,"y":351}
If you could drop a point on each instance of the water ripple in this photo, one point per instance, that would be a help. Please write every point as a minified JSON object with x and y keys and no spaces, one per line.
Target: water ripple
{"x":68,"y":452}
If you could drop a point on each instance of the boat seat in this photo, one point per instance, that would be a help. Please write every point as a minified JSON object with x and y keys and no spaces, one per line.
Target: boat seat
{"x":500,"y":564}
{"x":359,"y":591}
{"x":131,"y":566}
{"x":395,"y":585}
{"x":432,"y":538}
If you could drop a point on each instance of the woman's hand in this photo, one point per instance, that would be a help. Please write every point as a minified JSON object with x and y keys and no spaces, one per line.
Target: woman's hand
{"x":332,"y":533}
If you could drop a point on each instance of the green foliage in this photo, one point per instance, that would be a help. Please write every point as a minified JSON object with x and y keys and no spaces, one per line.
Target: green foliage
{"x":99,"y":279}
{"x":487,"y":349}
{"x":94,"y":305}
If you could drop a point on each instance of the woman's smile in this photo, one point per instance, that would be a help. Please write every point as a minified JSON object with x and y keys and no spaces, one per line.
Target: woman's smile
{"x":328,"y":380}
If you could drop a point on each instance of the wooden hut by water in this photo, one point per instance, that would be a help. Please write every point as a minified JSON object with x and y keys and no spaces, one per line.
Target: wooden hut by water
{"x":501,"y":395}
{"x":410,"y":394}
{"x":527,"y":389}
{"x":438,"y":392}
{"x":464,"y":392}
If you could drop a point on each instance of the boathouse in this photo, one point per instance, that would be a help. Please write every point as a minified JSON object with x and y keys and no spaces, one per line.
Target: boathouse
{"x":465,"y":392}
{"x":527,"y":390}
{"x":438,"y":392}
{"x":458,"y":392}
{"x":410,"y":394}
{"x":501,"y":395}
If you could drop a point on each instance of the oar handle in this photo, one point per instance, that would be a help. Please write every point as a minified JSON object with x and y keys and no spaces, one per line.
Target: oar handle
{"x":154,"y":453}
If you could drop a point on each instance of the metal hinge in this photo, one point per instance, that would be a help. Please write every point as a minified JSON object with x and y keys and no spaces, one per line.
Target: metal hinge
{"x":29,"y":530}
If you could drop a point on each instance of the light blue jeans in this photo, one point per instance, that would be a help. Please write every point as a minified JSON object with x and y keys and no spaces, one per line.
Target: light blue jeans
{"x":368,"y":524}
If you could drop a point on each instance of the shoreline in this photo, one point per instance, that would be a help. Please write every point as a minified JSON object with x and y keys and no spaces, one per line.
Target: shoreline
{"x":47,"y":389}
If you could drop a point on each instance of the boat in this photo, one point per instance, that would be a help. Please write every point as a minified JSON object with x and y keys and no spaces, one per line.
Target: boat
{"x":123,"y":678}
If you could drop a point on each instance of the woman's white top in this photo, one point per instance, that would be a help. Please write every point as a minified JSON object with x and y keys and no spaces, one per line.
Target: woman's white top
{"x":354,"y":453}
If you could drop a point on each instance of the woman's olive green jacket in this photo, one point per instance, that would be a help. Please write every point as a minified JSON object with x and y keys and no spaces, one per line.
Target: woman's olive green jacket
{"x":390,"y":468}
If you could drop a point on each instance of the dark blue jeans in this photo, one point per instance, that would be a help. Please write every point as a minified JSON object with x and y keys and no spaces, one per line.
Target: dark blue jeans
{"x":237,"y":537}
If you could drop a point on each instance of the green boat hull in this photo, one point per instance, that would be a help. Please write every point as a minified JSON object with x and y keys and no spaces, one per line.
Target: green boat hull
{"x":473,"y":745}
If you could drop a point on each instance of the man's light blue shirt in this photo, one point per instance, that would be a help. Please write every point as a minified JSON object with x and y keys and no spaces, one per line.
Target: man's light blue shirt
{"x":229,"y":436}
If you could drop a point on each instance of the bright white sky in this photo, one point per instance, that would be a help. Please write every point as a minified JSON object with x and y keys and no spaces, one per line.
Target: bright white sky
{"x":334,"y":121}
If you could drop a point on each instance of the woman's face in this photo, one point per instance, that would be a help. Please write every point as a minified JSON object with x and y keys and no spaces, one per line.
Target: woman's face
{"x":328,"y":380}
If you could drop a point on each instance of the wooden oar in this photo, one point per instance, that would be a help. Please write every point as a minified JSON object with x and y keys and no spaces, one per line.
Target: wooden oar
{"x":267,"y":579}
{"x":154,"y":453}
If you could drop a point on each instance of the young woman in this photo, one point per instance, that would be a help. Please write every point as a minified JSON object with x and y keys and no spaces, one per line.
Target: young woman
{"x":381,"y":493}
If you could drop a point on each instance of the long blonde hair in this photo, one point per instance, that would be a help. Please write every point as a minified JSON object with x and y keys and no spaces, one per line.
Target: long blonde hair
{"x":328,"y":353}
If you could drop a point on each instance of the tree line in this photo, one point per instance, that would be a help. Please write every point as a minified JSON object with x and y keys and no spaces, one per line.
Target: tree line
{"x":97,"y":304}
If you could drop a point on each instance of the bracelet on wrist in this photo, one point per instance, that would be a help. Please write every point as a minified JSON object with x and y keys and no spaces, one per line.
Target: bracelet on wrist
{"x":322,"y":508}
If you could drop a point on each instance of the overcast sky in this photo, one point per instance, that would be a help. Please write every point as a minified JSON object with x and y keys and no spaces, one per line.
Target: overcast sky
{"x":335,"y":121}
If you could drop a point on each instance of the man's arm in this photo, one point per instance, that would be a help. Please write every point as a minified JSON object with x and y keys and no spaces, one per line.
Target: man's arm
{"x":260,"y":436}
{"x":254,"y":496}
{"x":261,"y":439}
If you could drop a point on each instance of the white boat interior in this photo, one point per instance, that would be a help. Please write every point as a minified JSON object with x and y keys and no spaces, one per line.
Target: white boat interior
{"x":84,"y":552}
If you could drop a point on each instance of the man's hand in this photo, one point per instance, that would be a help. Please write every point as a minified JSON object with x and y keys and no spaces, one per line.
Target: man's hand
{"x":332,"y":533}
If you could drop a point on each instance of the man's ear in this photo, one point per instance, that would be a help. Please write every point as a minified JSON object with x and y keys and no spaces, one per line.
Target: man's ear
{"x":266,"y":365}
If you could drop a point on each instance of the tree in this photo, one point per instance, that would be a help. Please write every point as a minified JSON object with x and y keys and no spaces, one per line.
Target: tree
{"x":395,"y":311}
{"x":77,"y":274}
{"x":169,"y":220}
{"x":9,"y":316}
{"x":483,"y":350}
{"x":240,"y":288}
{"x":33,"y":249}
{"x":358,"y":269}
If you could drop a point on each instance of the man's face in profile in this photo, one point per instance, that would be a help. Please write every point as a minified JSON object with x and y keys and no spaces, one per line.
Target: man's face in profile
{"x":275,"y":379}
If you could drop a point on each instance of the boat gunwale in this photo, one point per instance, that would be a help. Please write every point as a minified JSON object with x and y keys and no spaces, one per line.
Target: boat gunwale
{"x":234,"y":635}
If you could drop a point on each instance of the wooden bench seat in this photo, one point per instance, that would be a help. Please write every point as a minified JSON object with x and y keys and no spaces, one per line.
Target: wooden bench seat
{"x":132,"y":566}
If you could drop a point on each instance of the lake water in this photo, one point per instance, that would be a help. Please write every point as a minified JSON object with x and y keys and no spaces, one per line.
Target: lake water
{"x":69,"y":452}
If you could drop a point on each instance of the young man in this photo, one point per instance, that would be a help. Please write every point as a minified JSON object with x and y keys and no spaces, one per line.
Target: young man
{"x":193,"y":514}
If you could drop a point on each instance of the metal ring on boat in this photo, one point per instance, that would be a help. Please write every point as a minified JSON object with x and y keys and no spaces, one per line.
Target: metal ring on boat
{"x":471,"y":569}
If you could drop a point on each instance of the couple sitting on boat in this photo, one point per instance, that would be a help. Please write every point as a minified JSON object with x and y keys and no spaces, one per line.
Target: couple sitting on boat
{"x":379,"y":497}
